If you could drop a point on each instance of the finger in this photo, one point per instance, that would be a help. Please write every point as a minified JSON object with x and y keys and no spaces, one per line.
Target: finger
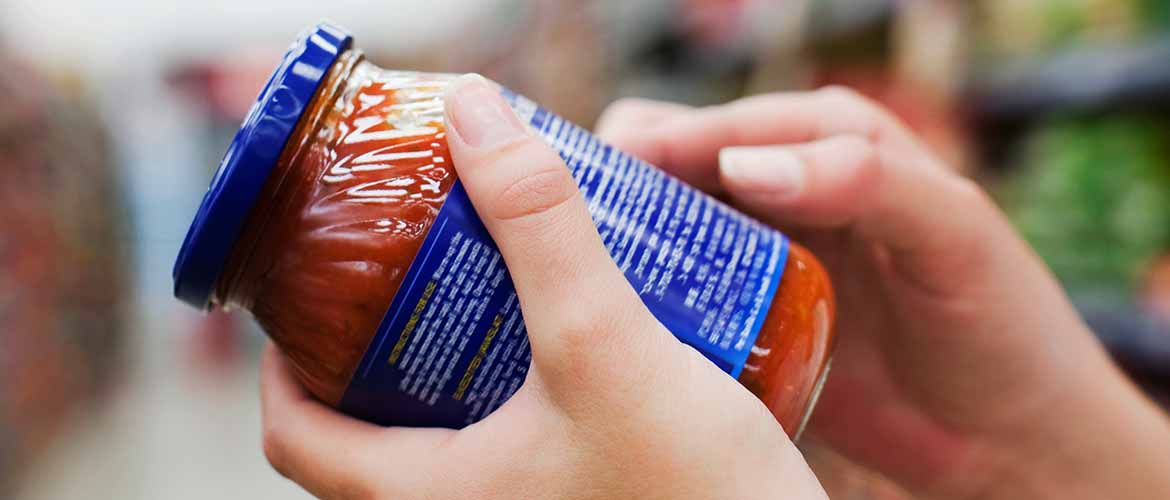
{"x":332,"y":455}
{"x":571,"y":291}
{"x":819,"y":184}
{"x":930,"y":220}
{"x":687,"y":143}
{"x":622,"y":122}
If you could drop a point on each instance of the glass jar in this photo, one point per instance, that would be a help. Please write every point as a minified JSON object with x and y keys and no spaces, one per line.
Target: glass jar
{"x":337,"y":220}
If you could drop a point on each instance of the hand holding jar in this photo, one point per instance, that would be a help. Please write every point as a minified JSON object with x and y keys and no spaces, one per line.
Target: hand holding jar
{"x":961,"y":370}
{"x":613,"y":405}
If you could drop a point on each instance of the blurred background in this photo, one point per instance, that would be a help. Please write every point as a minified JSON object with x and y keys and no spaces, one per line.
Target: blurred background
{"x":114,"y":114}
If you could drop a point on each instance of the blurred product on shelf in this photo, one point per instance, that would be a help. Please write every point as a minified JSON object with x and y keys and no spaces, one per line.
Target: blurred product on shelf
{"x":1010,"y":94}
{"x":222,"y":88}
{"x":696,"y":52}
{"x":1025,"y":27}
{"x":1139,"y":341}
{"x":1038,"y":58}
{"x":907,"y":56}
{"x":1156,"y":290}
{"x":1155,"y":305}
{"x":1092,"y":195}
{"x":1068,"y":102}
{"x":216,"y":346}
{"x":62,"y":264}
{"x":564,"y":61}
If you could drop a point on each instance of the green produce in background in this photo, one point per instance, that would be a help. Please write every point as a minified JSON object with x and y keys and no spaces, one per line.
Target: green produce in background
{"x":1156,"y":14}
{"x":1093,"y":198}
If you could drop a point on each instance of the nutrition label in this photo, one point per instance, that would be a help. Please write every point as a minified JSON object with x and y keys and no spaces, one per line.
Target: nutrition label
{"x":705,"y":271}
{"x":467,"y":280}
{"x":452,"y":347}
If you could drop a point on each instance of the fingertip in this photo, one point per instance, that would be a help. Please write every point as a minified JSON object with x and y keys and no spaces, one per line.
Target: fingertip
{"x":849,"y":168}
{"x":477,"y":116}
{"x":273,"y":365}
{"x":638,"y":126}
{"x":628,"y":114}
{"x":269,"y":355}
{"x":819,"y":183}
{"x":270,"y":364}
{"x":330,"y":454}
{"x":770,"y":172}
{"x":460,"y":84}
{"x":286,"y":404}
{"x":279,"y":388}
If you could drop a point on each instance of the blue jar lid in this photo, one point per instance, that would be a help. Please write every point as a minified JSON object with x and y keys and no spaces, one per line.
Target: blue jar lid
{"x":250,"y":158}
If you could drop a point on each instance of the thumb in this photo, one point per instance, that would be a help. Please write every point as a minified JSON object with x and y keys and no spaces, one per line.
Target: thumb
{"x":574,"y":298}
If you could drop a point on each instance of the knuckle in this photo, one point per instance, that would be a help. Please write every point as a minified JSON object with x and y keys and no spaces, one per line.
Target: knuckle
{"x":967,"y":197}
{"x":840,"y":94}
{"x":622,"y":109}
{"x":627,"y":117}
{"x":970,"y":197}
{"x":968,"y":193}
{"x":362,"y":482}
{"x":862,"y":156}
{"x":358,"y":490}
{"x":276,"y":449}
{"x":533,"y":190}
{"x":871,"y":170}
{"x":867,"y":117}
{"x":533,"y":194}
{"x":859,"y":148}
{"x":852,"y":111}
{"x":599,"y":330}
{"x":582,"y":324}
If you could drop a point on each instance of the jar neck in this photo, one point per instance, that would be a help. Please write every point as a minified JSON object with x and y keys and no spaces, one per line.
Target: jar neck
{"x":236,"y":285}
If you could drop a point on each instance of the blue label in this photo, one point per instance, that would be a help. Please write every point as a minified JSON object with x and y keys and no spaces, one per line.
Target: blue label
{"x":452,"y":347}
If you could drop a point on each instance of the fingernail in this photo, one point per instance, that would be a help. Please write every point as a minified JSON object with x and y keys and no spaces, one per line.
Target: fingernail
{"x":762,"y":170}
{"x":479,"y":115}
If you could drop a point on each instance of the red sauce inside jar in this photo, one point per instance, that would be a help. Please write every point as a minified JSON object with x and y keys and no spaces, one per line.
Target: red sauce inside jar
{"x":347,"y":207}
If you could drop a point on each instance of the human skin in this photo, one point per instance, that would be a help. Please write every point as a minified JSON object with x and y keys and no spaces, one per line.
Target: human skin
{"x":613,"y":406}
{"x":961,"y":371}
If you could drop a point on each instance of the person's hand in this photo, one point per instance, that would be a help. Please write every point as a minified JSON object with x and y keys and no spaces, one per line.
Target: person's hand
{"x":613,"y":406}
{"x":961,"y":371}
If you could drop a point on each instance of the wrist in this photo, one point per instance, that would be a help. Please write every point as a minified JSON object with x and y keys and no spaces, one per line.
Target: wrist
{"x":1108,"y":442}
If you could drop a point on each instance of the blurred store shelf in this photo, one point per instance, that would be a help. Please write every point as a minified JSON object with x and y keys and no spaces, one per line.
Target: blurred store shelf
{"x":171,"y":432}
{"x":1129,"y":76}
{"x":1138,"y":342}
